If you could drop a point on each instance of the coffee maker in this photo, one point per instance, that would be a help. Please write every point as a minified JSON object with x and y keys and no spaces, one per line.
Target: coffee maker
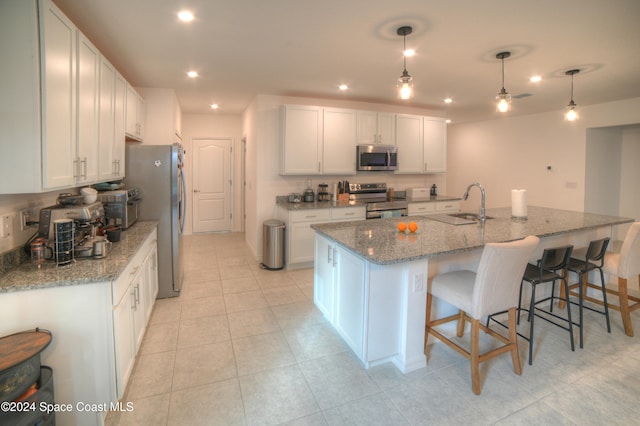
{"x":87,"y":219}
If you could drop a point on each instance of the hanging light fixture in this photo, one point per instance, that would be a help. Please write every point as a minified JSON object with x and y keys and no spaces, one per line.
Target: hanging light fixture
{"x":405,"y":82}
{"x":503,"y":98}
{"x":571,"y":114}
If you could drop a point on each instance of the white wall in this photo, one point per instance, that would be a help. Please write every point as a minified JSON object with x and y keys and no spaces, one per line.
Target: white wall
{"x":515,"y":152}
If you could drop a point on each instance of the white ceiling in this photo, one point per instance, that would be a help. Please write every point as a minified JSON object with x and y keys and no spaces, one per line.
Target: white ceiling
{"x":242,"y":48}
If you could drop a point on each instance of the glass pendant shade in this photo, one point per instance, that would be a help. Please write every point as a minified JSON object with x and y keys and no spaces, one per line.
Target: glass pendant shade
{"x":571,"y":114}
{"x":504,"y":101}
{"x":405,"y":86}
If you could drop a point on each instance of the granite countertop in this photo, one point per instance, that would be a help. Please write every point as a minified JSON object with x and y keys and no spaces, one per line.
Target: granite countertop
{"x":340,"y":204}
{"x":82,"y":271}
{"x":380,"y":242}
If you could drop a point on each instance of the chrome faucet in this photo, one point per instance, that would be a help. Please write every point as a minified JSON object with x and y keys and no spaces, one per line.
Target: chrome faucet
{"x":482,"y":215}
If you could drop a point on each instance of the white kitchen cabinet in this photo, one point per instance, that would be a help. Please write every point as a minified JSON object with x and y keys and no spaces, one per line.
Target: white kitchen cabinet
{"x":299,"y":235}
{"x":125,"y":352}
{"x":422,"y":144}
{"x":135,"y":115}
{"x":409,"y":143}
{"x":434,"y":133}
{"x":119,"y":104}
{"x":324,"y":288}
{"x":88,"y":78}
{"x":376,"y":128}
{"x":106,"y":135}
{"x":339,"y":142}
{"x":339,"y":291}
{"x":301,"y":146}
{"x":432,"y":207}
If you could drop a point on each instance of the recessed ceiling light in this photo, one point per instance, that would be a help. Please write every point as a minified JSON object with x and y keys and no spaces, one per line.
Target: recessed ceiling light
{"x":409,"y":52}
{"x":215,"y":106}
{"x":185,"y":16}
{"x":535,"y":79}
{"x":448,"y":121}
{"x":448,"y":100}
{"x":343,"y":87}
{"x":192,"y":74}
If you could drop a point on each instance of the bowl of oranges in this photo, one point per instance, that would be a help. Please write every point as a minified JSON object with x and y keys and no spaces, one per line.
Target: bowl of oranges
{"x":411,"y":227}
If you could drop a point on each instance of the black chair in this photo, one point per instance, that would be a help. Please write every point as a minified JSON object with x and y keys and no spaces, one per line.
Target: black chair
{"x":582,"y":264}
{"x":550,"y":268}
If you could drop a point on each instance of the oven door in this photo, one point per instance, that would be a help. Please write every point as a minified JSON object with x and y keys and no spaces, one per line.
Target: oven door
{"x":382,"y":214}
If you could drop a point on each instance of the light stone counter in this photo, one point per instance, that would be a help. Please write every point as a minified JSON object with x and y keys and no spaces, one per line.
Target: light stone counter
{"x":380,"y":242}
{"x":342,"y":204}
{"x":82,"y":271}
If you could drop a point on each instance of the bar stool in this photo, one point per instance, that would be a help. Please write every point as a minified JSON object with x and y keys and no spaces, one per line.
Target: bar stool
{"x":553,"y":261}
{"x":625,"y":265}
{"x":493,"y":288}
{"x":581,"y":264}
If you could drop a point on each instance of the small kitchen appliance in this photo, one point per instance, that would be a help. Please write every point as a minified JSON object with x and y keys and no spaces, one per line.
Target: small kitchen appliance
{"x":121,"y":206}
{"x":373,"y":158}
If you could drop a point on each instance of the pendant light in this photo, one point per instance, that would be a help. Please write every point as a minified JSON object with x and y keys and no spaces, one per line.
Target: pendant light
{"x":503,"y":98}
{"x":571,"y":114}
{"x":405,"y":82}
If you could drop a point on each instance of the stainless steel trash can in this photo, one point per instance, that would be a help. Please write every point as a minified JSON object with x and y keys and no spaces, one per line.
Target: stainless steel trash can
{"x":273,"y":244}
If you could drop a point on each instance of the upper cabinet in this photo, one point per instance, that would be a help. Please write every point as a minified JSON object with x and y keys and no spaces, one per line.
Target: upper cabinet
{"x":58,"y":94}
{"x":376,"y":128}
{"x":301,"y":145}
{"x":318,"y":141}
{"x":135,"y":115}
{"x":422,"y":144}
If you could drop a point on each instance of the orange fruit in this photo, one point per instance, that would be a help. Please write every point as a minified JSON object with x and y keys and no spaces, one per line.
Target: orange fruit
{"x":413,"y":227}
{"x":402,"y":226}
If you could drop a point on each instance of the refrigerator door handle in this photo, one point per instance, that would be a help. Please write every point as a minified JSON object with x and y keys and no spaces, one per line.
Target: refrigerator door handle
{"x":183,"y":201}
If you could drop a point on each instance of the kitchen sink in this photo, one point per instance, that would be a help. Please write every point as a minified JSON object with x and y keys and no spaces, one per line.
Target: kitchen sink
{"x":457,"y":218}
{"x":469,"y":216}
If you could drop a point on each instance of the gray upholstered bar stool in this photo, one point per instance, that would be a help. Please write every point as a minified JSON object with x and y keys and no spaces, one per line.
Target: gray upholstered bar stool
{"x":493,"y":288}
{"x":581,"y":263}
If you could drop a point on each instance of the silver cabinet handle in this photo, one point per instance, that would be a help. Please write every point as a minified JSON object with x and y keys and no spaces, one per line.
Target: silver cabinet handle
{"x":335,"y":262}
{"x":84,"y":162}
{"x":349,"y":214}
{"x":329,"y":260}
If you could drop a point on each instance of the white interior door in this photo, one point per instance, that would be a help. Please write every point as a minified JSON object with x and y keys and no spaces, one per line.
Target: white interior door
{"x":211,"y":185}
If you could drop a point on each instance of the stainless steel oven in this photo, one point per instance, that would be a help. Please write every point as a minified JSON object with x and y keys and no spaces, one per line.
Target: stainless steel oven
{"x":387,"y":209}
{"x":375,"y":196}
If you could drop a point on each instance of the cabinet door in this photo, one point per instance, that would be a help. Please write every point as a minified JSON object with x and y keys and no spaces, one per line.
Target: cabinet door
{"x":141,"y":113}
{"x":106,"y":121}
{"x":137,"y":292}
{"x":302,"y":140}
{"x":409,"y":143}
{"x":350,"y":283}
{"x":339,"y":143}
{"x":58,"y":73}
{"x":124,"y":341}
{"x":323,"y":288}
{"x":386,"y":128}
{"x":367,"y":127}
{"x":88,"y":100}
{"x":132,"y":121}
{"x":120,"y":97}
{"x":435,"y":145}
{"x":302,"y":246}
{"x":151,"y":281}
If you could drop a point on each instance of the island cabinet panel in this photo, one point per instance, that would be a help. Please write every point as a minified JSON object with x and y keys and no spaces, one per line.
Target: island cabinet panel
{"x":350,"y":299}
{"x":324,"y":289}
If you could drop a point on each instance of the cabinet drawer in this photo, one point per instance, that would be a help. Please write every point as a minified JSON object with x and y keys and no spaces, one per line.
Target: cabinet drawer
{"x":318,"y":215}
{"x":447,"y":206}
{"x":421,"y":208}
{"x":348,"y":213}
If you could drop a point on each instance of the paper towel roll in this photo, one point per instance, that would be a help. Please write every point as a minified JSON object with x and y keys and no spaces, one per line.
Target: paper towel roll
{"x":519,"y":203}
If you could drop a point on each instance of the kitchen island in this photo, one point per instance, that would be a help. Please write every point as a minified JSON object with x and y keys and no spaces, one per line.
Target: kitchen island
{"x":371,"y":280}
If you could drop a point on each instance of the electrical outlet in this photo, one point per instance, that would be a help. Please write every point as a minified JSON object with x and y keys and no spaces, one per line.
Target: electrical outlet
{"x":6,"y":226}
{"x":418,"y":283}
{"x":24,"y":218}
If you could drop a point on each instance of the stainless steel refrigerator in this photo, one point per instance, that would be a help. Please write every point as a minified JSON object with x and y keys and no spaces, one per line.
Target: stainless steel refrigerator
{"x":157,"y":171}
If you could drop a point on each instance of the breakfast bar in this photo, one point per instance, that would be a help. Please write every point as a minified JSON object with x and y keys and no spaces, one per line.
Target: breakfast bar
{"x":371,"y":279}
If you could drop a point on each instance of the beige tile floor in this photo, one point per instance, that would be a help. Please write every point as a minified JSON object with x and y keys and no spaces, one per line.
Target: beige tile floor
{"x":245,"y":346}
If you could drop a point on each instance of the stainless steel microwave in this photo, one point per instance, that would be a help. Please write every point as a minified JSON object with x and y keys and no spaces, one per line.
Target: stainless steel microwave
{"x":377,"y":157}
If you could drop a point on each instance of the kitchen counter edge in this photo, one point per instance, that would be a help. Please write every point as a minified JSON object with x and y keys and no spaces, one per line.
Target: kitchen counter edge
{"x":342,"y":204}
{"x":83,"y":271}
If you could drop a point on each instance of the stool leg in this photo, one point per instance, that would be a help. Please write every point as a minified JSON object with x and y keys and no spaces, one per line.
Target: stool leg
{"x":532,"y":306}
{"x":566,"y":289}
{"x":475,"y":355}
{"x":624,"y":306}
{"x":520,"y":300}
{"x":460,"y":329}
{"x":580,"y":297}
{"x":604,"y":299}
{"x":427,"y":319}
{"x":513,"y":338}
{"x":553,"y":291}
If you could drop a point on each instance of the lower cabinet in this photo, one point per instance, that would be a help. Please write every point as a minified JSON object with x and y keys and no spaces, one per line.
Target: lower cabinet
{"x":339,"y":291}
{"x":299,"y":246}
{"x":431,"y":207}
{"x":135,"y":291}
